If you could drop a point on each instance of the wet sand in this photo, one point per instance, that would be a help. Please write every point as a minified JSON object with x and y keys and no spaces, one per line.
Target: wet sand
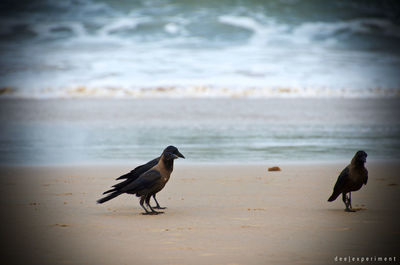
{"x":217,"y":214}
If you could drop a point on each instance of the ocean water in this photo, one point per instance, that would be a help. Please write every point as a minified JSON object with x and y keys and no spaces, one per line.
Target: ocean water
{"x":101,"y":81}
{"x":175,"y":48}
{"x":271,"y":131}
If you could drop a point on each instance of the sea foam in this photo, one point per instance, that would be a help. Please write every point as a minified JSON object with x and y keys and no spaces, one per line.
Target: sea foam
{"x":90,"y":48}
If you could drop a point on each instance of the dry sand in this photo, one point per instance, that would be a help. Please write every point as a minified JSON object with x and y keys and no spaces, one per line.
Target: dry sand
{"x":217,"y":214}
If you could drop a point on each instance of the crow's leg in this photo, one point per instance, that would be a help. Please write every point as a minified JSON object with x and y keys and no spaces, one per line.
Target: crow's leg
{"x":148,"y":204}
{"x":351,"y":207}
{"x":344,"y":198}
{"x":141,"y":204}
{"x":158,"y":205}
{"x":347,"y":202}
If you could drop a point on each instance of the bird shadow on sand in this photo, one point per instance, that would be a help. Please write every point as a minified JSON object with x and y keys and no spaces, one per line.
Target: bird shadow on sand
{"x":337,"y":210}
{"x":124,"y":213}
{"x":134,"y":212}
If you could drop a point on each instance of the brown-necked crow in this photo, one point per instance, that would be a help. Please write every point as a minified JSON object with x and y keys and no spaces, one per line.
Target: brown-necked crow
{"x":351,"y":179}
{"x":148,"y":183}
{"x":136,"y":172}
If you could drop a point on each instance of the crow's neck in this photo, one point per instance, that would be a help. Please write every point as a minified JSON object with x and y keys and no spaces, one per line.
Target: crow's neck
{"x":168,"y":164}
{"x":357,"y":163}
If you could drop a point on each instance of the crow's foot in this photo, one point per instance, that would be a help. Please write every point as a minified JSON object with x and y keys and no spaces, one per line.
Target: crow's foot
{"x":159,"y":207}
{"x":151,"y":213}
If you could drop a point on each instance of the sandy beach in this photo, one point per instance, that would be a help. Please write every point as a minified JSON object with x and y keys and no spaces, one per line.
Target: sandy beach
{"x":217,"y":214}
{"x":91,"y":89}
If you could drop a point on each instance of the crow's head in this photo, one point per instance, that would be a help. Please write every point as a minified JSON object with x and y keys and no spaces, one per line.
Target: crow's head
{"x":360,"y":157}
{"x":172,"y":150}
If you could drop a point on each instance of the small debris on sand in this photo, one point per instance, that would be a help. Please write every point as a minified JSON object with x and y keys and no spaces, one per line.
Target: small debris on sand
{"x":274,"y":169}
{"x":60,"y":225}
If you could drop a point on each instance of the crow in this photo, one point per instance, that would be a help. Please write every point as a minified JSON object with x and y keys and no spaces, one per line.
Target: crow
{"x":148,"y":183}
{"x":136,"y":172}
{"x":351,"y":179}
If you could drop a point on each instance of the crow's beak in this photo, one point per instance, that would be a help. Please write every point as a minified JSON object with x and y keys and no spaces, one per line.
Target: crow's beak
{"x":179,"y":154}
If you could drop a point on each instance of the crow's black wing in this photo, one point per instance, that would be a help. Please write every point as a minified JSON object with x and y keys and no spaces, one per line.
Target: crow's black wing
{"x":142,"y":185}
{"x":145,"y":182}
{"x":135,"y":173}
{"x":342,"y":180}
{"x":340,"y":184}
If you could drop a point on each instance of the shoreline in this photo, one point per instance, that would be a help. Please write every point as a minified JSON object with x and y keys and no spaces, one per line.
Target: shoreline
{"x":239,"y":130}
{"x":4,"y":97}
{"x":185,"y":163}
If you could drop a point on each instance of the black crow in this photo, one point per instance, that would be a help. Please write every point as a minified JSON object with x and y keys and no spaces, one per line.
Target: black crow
{"x":135,"y":173}
{"x":351,"y":179}
{"x":148,"y":183}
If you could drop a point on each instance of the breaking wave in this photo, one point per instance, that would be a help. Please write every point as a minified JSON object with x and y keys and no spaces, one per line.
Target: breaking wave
{"x":170,"y":48}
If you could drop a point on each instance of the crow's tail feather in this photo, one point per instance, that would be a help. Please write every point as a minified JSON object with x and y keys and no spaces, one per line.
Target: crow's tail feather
{"x":109,"y":197}
{"x":333,"y":197}
{"x":118,"y":186}
{"x":108,"y":191}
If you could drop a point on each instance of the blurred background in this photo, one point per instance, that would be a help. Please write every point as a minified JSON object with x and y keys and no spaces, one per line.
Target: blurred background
{"x":200,"y":48}
{"x":248,"y":81}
